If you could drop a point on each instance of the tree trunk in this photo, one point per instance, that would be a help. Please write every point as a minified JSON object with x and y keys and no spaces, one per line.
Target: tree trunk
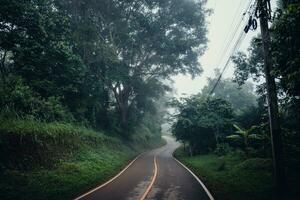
{"x":217,"y":135}
{"x":190,"y":150}
{"x":122,"y":99}
{"x":124,"y":116}
{"x":2,"y":68}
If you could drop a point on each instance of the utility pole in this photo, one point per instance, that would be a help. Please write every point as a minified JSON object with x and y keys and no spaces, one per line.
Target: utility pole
{"x":276,"y":140}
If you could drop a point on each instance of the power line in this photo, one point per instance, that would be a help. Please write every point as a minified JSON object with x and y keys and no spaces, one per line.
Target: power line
{"x":231,"y":34}
{"x":236,"y":46}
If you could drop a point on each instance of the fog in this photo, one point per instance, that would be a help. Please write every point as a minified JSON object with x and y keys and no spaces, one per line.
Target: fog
{"x":225,"y":16}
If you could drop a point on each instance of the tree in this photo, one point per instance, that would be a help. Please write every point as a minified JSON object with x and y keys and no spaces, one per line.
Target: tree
{"x":202,"y":122}
{"x":283,"y":45}
{"x":105,"y":62}
{"x":241,"y":97}
{"x":35,"y":45}
{"x":245,"y":135}
{"x":133,"y":44}
{"x":286,"y":43}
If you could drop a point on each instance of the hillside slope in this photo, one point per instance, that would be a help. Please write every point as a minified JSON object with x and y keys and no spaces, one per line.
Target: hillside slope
{"x":60,"y":161}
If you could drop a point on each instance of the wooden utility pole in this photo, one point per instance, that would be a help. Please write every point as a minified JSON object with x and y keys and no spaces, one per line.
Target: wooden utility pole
{"x":276,"y":140}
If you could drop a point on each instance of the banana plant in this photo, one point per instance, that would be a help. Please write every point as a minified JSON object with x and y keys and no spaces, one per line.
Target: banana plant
{"x":245,"y":135}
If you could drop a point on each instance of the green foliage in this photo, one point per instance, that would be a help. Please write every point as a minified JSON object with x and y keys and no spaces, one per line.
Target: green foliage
{"x":223,"y":149}
{"x":18,"y":97}
{"x":58,"y":160}
{"x":29,"y":144}
{"x":202,"y":122}
{"x":249,"y":67}
{"x":235,"y":176}
{"x":103,"y":64}
{"x":256,"y":164}
{"x":130,"y":47}
{"x":285,"y":45}
{"x":70,"y":178}
{"x":245,"y":135}
{"x":240,"y":97}
{"x":232,"y":177}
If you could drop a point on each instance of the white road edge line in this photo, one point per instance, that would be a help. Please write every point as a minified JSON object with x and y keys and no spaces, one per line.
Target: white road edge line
{"x":109,"y":181}
{"x":197,"y":178}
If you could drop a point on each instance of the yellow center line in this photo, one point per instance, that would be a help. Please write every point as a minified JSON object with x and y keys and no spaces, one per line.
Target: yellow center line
{"x":152,"y":181}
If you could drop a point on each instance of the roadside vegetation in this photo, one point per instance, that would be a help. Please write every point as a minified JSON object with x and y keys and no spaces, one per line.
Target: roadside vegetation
{"x":232,"y":176}
{"x":225,"y":134}
{"x":83,"y":87}
{"x":59,"y":160}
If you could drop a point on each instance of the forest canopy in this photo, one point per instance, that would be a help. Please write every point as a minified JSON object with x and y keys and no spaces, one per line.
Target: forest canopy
{"x":98,"y":63}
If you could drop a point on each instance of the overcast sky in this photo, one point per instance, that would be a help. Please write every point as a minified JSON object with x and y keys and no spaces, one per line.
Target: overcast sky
{"x":226,"y":15}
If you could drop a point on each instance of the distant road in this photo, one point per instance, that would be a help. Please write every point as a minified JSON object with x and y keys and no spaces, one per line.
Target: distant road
{"x":155,"y":175}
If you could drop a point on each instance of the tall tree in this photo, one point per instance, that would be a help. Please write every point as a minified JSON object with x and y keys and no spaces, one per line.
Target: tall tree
{"x":202,"y":122}
{"x":35,"y":45}
{"x":139,"y":42}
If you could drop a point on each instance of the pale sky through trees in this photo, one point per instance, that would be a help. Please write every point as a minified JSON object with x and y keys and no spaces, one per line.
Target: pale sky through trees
{"x":220,"y":26}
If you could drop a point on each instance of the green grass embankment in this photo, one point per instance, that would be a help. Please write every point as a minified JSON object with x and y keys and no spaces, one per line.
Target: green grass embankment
{"x":59,"y":161}
{"x":232,"y":177}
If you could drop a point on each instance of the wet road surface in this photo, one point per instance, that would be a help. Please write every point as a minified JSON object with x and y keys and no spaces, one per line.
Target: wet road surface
{"x":155,"y":175}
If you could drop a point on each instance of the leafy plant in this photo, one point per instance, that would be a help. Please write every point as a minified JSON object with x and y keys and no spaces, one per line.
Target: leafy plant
{"x":245,"y":135}
{"x":202,"y":122}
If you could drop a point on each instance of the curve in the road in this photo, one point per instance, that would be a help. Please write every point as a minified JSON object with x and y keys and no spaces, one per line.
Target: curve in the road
{"x":155,"y":175}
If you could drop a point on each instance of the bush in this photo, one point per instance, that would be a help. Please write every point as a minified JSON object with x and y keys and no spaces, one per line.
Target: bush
{"x":26,"y":144}
{"x":233,"y":176}
{"x":223,"y":149}
{"x":18,"y":98}
{"x":256,"y":164}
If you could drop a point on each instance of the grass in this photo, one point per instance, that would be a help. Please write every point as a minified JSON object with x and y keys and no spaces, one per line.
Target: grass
{"x":67,"y":180}
{"x":59,"y":161}
{"x":232,"y":177}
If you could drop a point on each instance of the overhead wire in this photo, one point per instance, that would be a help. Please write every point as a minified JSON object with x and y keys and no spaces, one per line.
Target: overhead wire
{"x":236,"y":46}
{"x":232,"y":34}
{"x":233,"y":50}
{"x":232,"y":30}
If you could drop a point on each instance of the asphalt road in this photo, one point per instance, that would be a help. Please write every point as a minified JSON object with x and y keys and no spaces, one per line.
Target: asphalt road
{"x":155,"y":175}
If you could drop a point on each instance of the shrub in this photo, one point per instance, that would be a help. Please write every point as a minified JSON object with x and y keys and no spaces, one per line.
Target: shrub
{"x":223,"y":149}
{"x":256,"y":164}
{"x":18,"y":99}
{"x":25,"y":144}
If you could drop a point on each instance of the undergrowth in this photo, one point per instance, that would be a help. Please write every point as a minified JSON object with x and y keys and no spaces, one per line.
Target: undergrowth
{"x":60,"y":161}
{"x":232,"y":176}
